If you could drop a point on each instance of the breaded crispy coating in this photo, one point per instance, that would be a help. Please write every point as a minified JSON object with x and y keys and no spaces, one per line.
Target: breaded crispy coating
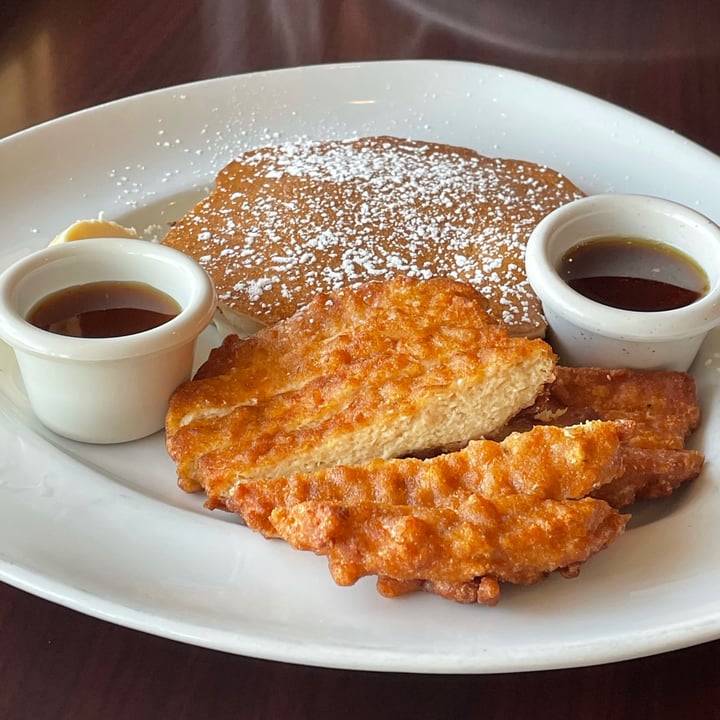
{"x":480,"y":591}
{"x":396,"y":429}
{"x":649,"y":474}
{"x":662,"y":404}
{"x":547,"y":462}
{"x":517,"y":539}
{"x":375,"y":371}
{"x":663,"y":407}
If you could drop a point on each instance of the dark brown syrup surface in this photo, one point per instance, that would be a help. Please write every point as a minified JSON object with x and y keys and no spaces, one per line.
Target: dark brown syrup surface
{"x":103,"y":309}
{"x":633,"y":274}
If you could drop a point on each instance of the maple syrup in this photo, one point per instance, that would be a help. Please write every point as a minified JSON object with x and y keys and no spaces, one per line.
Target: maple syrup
{"x":103,"y":309}
{"x":633,"y":274}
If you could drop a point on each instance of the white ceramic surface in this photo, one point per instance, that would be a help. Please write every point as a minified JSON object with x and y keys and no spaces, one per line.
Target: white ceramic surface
{"x":104,"y":529}
{"x":104,"y":390}
{"x":584,"y":332}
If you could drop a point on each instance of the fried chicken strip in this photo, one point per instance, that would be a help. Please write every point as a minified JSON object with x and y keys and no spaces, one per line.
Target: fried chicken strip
{"x":377,"y":370}
{"x":650,"y":474}
{"x":663,"y":406}
{"x":547,"y":462}
{"x":517,"y":539}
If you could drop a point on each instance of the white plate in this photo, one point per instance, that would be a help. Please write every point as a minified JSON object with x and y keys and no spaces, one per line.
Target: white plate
{"x":105,"y":530}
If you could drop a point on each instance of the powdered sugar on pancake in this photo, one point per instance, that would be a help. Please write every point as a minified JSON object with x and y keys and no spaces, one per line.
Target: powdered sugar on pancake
{"x":290,"y":220}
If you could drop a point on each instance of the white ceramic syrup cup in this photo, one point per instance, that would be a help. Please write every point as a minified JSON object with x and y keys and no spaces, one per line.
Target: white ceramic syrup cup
{"x":104,"y":390}
{"x":587,"y":333}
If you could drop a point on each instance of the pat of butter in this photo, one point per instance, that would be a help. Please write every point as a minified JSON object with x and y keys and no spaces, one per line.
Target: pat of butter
{"x":98,"y":228}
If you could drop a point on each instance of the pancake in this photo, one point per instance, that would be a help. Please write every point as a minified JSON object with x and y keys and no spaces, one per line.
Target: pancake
{"x":286,"y":222}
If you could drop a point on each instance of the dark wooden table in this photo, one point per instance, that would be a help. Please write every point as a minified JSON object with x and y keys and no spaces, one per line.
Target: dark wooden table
{"x":660,"y":58}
